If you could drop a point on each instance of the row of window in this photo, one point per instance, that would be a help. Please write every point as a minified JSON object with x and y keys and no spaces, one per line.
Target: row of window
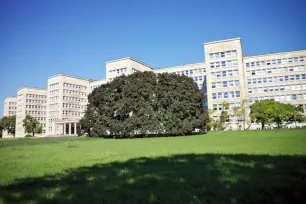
{"x":66,"y":91}
{"x":53,"y":92}
{"x":225,"y":95}
{"x":35,"y":101}
{"x":275,"y":70}
{"x":36,"y":106}
{"x":12,"y":107}
{"x":52,"y":106}
{"x":12,"y":103}
{"x":225,"y":73}
{"x":72,"y":113}
{"x":224,"y":84}
{"x":12,"y":112}
{"x":199,"y":78}
{"x":277,"y":88}
{"x":189,"y":71}
{"x":290,"y":97}
{"x":118,"y":71}
{"x":53,"y":113}
{"x":53,"y":99}
{"x":55,"y":85}
{"x":277,"y":79}
{"x":217,"y":55}
{"x":231,"y":106}
{"x":35,"y":96}
{"x":275,"y":61}
{"x":228,"y":63}
{"x":69,"y":105}
{"x":75,"y":86}
{"x":36,"y":112}
{"x":67,"y":98}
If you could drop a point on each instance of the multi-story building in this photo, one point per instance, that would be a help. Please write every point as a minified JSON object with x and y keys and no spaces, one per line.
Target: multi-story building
{"x":31,"y":101}
{"x":225,"y":75}
{"x":9,"y":110}
{"x":10,"y":105}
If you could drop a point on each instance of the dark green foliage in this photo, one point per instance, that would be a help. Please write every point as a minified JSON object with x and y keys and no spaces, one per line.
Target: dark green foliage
{"x":144,"y":104}
{"x":8,"y":123}
{"x":28,"y":136}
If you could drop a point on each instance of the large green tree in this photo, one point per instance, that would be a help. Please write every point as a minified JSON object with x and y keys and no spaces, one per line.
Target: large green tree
{"x":144,"y":104}
{"x":267,"y":112}
{"x":9,"y":124}
{"x":285,"y":114}
{"x":32,"y":125}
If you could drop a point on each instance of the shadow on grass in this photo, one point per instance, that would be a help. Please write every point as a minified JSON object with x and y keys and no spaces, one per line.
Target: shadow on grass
{"x":189,"y":178}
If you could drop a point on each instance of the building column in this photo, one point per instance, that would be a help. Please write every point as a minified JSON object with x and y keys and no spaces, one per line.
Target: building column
{"x":75,"y":129}
{"x":69,"y":128}
{"x":63,"y":129}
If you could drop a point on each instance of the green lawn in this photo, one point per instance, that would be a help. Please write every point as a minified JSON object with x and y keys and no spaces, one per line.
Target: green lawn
{"x":266,"y":166}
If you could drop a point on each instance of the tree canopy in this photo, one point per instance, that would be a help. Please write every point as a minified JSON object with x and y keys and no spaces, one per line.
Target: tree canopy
{"x":267,"y":112}
{"x":8,"y":123}
{"x":31,"y":125}
{"x":144,"y":104}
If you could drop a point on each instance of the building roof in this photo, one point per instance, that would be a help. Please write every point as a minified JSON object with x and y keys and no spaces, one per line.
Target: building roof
{"x":76,"y":77}
{"x":184,"y":65}
{"x":35,"y":88}
{"x":221,"y":41}
{"x":276,"y":53}
{"x":130,"y":58}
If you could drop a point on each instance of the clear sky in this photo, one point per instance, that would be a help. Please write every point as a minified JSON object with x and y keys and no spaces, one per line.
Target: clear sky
{"x":42,"y":38}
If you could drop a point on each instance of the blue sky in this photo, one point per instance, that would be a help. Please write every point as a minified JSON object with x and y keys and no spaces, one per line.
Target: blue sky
{"x":42,"y":38}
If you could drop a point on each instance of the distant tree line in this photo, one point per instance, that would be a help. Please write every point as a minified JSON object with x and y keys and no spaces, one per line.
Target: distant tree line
{"x":265,"y":112}
{"x":144,"y":104}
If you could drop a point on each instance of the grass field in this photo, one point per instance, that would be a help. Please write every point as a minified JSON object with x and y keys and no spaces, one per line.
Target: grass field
{"x":266,"y":166}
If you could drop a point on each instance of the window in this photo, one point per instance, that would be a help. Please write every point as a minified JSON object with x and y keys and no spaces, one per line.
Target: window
{"x":213,"y":74}
{"x":214,"y":96}
{"x":265,"y":89}
{"x":213,"y":85}
{"x":296,"y":59}
{"x":230,"y":73}
{"x":279,"y":61}
{"x":235,"y":72}
{"x":271,"y":89}
{"x":289,"y":60}
{"x":258,"y":63}
{"x":232,"y":94}
{"x":235,"y":62}
{"x":224,"y":84}
{"x":269,"y":71}
{"x":212,"y":65}
{"x":284,"y":61}
{"x":273,"y":61}
{"x":297,"y":77}
{"x":223,"y":64}
{"x":231,"y":83}
{"x":247,"y":64}
{"x":249,"y":90}
{"x":224,"y":73}
{"x":286,"y":78}
{"x":225,"y":94}
{"x":262,"y":63}
{"x":215,"y":106}
{"x":234,"y":53}
{"x":228,"y":53}
{"x":301,"y":59}
{"x":219,"y":95}
{"x":259,"y":80}
{"x":252,"y":64}
{"x":237,"y":94}
{"x":264,"y":80}
{"x":211,"y":55}
{"x":291,"y":77}
{"x":254,"y":81}
{"x":275,"y":88}
{"x":293,"y":96}
{"x":303,"y":76}
{"x":222,"y":54}
{"x":249,"y":81}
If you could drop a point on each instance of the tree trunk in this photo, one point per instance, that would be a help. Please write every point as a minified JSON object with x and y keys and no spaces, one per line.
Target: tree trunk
{"x":262,"y":126}
{"x":33,"y":133}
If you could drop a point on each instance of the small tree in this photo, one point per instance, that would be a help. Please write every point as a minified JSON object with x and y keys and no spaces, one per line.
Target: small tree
{"x":31,"y":125}
{"x":1,"y":127}
{"x":224,"y":117}
{"x":9,"y":124}
{"x":244,"y":119}
{"x":285,"y":114}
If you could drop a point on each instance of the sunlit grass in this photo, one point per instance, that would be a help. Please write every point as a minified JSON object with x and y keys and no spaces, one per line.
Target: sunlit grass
{"x":219,"y":167}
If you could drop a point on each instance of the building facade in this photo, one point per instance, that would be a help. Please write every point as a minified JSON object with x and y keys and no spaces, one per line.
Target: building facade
{"x":225,"y":75}
{"x":31,"y":101}
{"x":10,"y":106}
